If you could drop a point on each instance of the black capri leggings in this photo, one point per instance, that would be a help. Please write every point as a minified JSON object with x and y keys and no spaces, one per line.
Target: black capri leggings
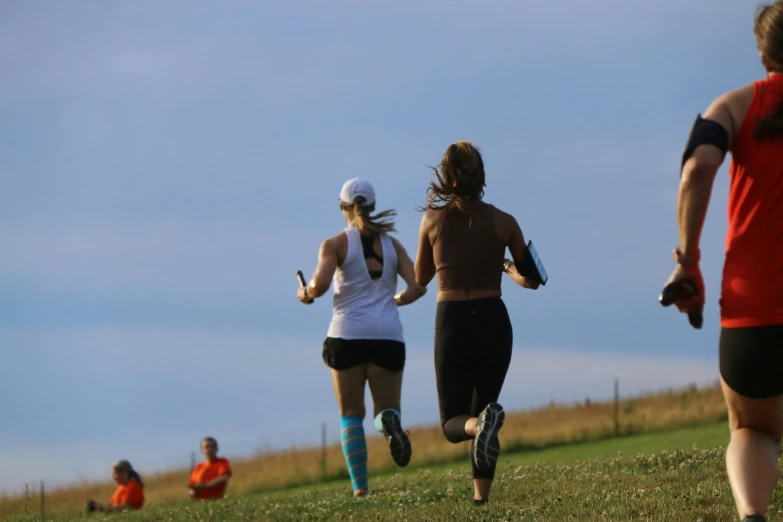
{"x":472,"y":353}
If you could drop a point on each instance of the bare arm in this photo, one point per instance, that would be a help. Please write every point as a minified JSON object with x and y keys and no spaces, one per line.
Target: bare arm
{"x":510,"y":269}
{"x":406,"y":270}
{"x":324,"y":272}
{"x":698,"y":175}
{"x":693,"y":199}
{"x":518,"y":249}
{"x":327,"y":264}
{"x":425,"y":262}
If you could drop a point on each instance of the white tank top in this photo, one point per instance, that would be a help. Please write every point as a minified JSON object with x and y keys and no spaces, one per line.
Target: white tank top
{"x":363,"y":308}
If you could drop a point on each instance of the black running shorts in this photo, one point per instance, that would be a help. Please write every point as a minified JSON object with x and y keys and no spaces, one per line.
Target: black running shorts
{"x":341,"y":354}
{"x":751,"y":360}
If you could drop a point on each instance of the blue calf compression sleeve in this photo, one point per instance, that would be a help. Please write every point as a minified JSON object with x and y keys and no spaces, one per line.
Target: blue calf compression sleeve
{"x":355,"y":451}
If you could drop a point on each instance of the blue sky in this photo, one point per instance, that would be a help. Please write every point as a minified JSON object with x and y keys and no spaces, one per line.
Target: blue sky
{"x":166,"y":167}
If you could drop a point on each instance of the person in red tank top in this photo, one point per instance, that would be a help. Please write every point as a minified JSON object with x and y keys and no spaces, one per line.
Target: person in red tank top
{"x":209,"y":479}
{"x":749,"y":120}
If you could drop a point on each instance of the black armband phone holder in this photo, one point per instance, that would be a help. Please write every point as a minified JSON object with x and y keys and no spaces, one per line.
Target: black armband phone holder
{"x":705,"y":132}
{"x":531,"y":266}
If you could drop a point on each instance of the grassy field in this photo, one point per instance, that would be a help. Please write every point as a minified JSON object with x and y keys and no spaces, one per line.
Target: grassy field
{"x":674,"y":475}
{"x":553,"y":425}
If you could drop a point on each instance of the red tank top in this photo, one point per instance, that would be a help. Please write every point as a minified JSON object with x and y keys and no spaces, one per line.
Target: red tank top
{"x":752,"y":288}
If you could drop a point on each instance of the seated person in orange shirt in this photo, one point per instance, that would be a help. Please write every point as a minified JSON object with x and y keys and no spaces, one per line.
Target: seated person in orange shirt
{"x":208,"y":480}
{"x":129,"y":493}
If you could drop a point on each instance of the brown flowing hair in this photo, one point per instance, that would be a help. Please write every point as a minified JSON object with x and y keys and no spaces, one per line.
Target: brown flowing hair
{"x":368,"y":224}
{"x":769,"y":38}
{"x":459,"y":179}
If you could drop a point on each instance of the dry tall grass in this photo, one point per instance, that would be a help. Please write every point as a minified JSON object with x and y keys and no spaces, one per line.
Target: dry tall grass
{"x":550,"y":425}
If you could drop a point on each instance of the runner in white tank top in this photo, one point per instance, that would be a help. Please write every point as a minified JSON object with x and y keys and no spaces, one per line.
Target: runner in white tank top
{"x":365,"y":341}
{"x":365,"y":308}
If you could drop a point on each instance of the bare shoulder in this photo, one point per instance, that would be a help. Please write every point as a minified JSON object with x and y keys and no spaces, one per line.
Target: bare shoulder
{"x":729,"y":109}
{"x":432,"y":220}
{"x":740,"y":95}
{"x":505,"y":225}
{"x":399,"y":249}
{"x":432,"y":216}
{"x":336,"y":242}
{"x":335,"y":247}
{"x":396,"y":242}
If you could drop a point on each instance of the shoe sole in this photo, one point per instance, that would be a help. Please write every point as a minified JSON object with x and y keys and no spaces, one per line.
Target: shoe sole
{"x":399,"y":444}
{"x":486,"y":446}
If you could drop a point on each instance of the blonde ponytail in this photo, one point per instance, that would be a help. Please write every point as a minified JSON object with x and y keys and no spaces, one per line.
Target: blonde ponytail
{"x":368,"y":224}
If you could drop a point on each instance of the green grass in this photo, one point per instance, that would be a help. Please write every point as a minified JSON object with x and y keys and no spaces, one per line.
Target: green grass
{"x":705,"y":436}
{"x":657,"y":476}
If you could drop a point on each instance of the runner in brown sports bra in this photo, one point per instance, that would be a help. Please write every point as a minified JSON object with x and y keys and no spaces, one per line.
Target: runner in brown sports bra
{"x":463,"y":241}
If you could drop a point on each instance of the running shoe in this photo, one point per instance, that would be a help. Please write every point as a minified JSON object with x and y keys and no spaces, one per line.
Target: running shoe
{"x":398,"y":441}
{"x":486,"y":446}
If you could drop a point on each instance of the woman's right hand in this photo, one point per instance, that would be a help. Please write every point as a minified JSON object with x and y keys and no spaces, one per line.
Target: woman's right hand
{"x":301,"y":294}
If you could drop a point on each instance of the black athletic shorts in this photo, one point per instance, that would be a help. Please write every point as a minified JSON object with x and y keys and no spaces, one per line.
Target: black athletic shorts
{"x":751,"y":360}
{"x":341,"y":354}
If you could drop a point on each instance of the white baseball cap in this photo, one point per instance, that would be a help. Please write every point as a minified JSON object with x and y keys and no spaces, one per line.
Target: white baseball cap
{"x":356,"y":187}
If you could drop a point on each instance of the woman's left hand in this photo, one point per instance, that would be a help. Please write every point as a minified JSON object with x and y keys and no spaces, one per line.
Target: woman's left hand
{"x":301,"y":294}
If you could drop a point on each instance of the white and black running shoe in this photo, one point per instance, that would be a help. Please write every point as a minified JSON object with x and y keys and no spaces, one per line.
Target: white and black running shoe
{"x":399,"y":445}
{"x":486,"y":446}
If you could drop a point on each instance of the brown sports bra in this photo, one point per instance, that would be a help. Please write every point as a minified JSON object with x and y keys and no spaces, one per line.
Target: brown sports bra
{"x":468,"y":252}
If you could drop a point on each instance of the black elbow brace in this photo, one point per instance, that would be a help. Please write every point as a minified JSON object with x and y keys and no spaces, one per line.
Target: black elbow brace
{"x":705,"y":132}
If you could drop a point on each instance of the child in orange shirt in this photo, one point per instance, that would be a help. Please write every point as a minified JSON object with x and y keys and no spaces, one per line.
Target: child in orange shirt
{"x":209,"y":479}
{"x":129,"y":493}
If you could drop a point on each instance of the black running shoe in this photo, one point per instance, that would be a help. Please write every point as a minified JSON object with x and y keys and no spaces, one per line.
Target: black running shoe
{"x":486,"y":446}
{"x":754,"y":518}
{"x":480,"y":502}
{"x":398,"y":441}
